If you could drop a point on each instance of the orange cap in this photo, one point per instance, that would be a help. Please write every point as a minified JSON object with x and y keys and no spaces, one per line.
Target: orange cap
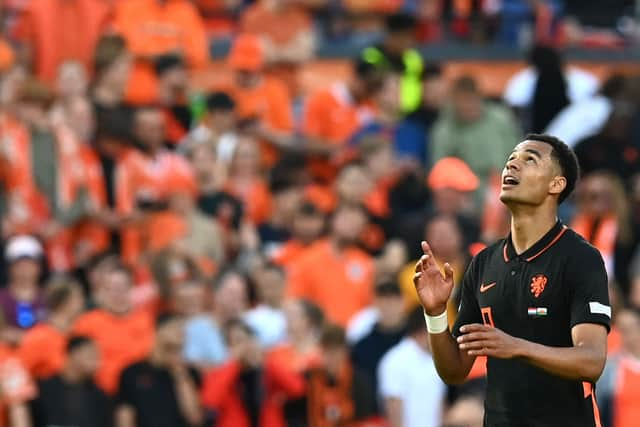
{"x":453,"y":173}
{"x":246,"y":53}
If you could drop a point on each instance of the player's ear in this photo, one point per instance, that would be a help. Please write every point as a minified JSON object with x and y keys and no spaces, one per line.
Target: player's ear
{"x":557,"y":185}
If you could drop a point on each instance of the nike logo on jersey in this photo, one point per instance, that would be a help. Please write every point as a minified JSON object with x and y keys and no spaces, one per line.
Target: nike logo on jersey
{"x":485,"y":288}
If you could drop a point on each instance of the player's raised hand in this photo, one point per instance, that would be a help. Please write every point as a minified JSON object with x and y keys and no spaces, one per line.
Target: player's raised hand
{"x":433,"y":288}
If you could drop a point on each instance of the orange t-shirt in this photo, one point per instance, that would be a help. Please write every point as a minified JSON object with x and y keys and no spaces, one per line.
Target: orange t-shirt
{"x":153,"y":28}
{"x":43,"y":350}
{"x":122,"y":340}
{"x":333,"y":116}
{"x":288,"y":253}
{"x":279,"y":26}
{"x":340,"y":283}
{"x":59,"y":30}
{"x":626,"y":410}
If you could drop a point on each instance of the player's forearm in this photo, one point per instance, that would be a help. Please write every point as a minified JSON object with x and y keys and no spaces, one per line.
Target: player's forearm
{"x":573,"y":363}
{"x":452,"y":365}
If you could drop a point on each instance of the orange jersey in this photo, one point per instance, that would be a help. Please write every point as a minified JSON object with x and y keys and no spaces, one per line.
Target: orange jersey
{"x":122,"y":340}
{"x":43,"y":350}
{"x":153,"y":28}
{"x":140,"y":177}
{"x":59,"y":30}
{"x":340,"y":283}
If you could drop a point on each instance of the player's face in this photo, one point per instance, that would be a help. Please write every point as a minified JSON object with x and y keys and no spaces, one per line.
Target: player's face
{"x":531,"y":175}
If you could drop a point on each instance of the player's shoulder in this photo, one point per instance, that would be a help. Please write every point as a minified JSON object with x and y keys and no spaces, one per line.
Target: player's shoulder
{"x":575,"y":246}
{"x":489,"y":252}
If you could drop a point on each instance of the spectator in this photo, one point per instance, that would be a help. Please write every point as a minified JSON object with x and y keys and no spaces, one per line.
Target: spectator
{"x":603,"y":218}
{"x":161,"y":390}
{"x":338,"y":393}
{"x":467,"y":411}
{"x":413,"y":392}
{"x":72,"y":82}
{"x":613,"y":148}
{"x":286,"y":198}
{"x":479,"y":133}
{"x":122,"y":334}
{"x":212,"y":199}
{"x":71,"y":397}
{"x":246,"y":390}
{"x":49,"y":42}
{"x":286,"y":46}
{"x":43,"y":347}
{"x":153,"y":28}
{"x":300,"y":353}
{"x":189,"y":299}
{"x":334,"y":273}
{"x":620,"y":381}
{"x":307,"y":226}
{"x":173,"y":86}
{"x":446,"y":238}
{"x":267,"y":319}
{"x":334,"y":114}
{"x":204,"y":342}
{"x":387,"y":331}
{"x":112,"y":63}
{"x":261,"y":100}
{"x":21,"y":300}
{"x":16,"y":385}
{"x":586,"y":118}
{"x":218,"y":124}
{"x":49,"y":178}
{"x":247,"y":182}
{"x":397,"y":53}
{"x":146,"y":181}
{"x":521,"y":89}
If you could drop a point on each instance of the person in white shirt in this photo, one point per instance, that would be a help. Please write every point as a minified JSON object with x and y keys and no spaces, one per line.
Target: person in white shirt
{"x":586,"y":118}
{"x":267,"y":318}
{"x":413,"y":394}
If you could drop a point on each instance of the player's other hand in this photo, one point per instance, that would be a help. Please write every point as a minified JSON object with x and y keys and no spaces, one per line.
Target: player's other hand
{"x":433,"y":288}
{"x":483,"y":340}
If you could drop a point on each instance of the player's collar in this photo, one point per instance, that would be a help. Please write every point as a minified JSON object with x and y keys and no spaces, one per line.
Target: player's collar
{"x":552,"y":236}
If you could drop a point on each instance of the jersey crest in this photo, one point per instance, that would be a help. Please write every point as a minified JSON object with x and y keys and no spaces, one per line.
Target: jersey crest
{"x":538,"y":283}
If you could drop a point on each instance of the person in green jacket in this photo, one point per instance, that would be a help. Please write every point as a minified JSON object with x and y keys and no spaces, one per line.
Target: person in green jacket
{"x":397,"y":53}
{"x":480,"y":133}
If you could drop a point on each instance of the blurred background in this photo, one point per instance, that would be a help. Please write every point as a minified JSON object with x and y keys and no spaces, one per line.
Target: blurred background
{"x":211,"y":209}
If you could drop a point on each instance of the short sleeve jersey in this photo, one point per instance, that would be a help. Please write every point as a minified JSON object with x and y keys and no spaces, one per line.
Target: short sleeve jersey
{"x":539,"y":295}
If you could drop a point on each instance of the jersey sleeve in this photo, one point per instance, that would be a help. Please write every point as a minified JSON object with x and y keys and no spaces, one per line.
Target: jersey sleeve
{"x":589,"y":291}
{"x":469,"y":310}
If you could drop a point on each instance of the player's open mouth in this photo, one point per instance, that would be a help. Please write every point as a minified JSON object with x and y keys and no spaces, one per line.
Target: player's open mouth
{"x":509,"y":181}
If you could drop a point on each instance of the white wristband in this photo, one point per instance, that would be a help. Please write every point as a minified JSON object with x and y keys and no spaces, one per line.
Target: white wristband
{"x":437,"y":324}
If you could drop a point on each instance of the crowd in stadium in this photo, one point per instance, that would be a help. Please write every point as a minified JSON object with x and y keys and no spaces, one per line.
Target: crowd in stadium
{"x":188,"y":244}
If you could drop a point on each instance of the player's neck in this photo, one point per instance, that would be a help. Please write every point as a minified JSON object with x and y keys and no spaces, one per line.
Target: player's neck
{"x":529,"y":227}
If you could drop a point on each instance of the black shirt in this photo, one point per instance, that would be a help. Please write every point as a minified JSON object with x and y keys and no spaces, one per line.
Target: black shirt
{"x":74,"y":405}
{"x":151,"y":392}
{"x":539,"y":296}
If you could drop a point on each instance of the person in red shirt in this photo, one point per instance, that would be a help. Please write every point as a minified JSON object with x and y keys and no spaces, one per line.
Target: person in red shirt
{"x":122,"y":334}
{"x":43,"y":347}
{"x":334,"y":273}
{"x":249,"y":390}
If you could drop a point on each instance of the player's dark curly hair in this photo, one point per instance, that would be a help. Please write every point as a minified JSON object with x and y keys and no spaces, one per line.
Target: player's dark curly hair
{"x":565,"y":157}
